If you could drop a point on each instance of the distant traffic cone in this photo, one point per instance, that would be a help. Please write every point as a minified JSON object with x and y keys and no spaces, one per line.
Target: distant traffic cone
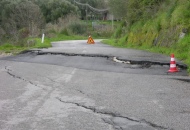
{"x":90,"y":40}
{"x":173,"y":67}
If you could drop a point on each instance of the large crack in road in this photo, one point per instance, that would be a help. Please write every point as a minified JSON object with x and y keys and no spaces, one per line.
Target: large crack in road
{"x":118,"y":121}
{"x":143,"y":63}
{"x":39,"y":52}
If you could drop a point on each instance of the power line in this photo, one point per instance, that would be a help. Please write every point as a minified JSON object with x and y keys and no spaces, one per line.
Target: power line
{"x":95,"y":10}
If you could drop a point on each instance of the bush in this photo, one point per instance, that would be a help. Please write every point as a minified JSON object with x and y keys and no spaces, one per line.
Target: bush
{"x":7,"y":45}
{"x":181,"y":15}
{"x":78,"y":28}
{"x":65,"y":32}
{"x":61,"y":26}
{"x":120,"y":30}
{"x":23,"y":33}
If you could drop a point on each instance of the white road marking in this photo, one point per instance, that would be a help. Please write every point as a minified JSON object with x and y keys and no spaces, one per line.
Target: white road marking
{"x":74,"y":70}
{"x":157,"y":103}
{"x":66,"y":77}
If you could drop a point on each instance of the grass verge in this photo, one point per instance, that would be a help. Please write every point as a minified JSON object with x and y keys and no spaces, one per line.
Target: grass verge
{"x":9,"y":48}
{"x":180,"y":53}
{"x":36,"y":43}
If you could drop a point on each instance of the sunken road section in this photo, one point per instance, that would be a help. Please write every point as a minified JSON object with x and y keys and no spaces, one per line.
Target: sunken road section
{"x":145,"y":64}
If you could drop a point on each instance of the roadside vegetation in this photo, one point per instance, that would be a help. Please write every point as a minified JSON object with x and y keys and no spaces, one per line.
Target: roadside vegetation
{"x":160,"y":26}
{"x":22,"y":23}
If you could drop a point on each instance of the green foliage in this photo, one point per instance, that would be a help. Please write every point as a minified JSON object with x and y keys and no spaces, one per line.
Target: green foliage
{"x":181,"y":15}
{"x":102,"y":33}
{"x":36,"y":43}
{"x":157,"y":25}
{"x":78,"y":28}
{"x":100,"y":4}
{"x":61,"y":37}
{"x":164,"y":19}
{"x":171,"y":9}
{"x":6,"y":46}
{"x":134,"y":10}
{"x":112,"y":42}
{"x":57,"y":37}
{"x":54,"y":9}
{"x":39,"y":44}
{"x":118,"y":8}
{"x":23,"y":33}
{"x":122,"y":42}
{"x":65,"y":32}
{"x":120,"y":30}
{"x":20,"y":19}
{"x":9,"y":48}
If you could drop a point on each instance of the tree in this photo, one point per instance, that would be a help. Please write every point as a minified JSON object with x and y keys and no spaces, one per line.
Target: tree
{"x":118,"y":8}
{"x":20,"y":17}
{"x":55,"y":9}
{"x":84,"y":10}
{"x":28,"y":15}
{"x":133,"y":10}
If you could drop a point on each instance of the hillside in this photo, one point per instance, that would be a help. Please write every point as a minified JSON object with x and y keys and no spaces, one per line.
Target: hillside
{"x":160,"y":27}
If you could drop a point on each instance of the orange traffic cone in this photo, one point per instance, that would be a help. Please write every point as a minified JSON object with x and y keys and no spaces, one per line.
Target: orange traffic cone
{"x":90,"y":40}
{"x":173,"y":67}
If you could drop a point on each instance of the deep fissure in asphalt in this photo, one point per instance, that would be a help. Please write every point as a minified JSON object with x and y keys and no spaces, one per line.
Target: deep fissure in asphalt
{"x":144,"y":64}
{"x":114,"y":115}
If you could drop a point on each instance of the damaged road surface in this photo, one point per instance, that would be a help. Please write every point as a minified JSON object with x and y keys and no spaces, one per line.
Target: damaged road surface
{"x":76,"y":86}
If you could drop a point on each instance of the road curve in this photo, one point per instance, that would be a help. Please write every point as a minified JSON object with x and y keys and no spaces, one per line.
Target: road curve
{"x":77,"y":86}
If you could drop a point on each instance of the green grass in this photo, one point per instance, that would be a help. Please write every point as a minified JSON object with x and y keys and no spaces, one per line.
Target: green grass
{"x":10,"y":48}
{"x":58,"y":37}
{"x":181,"y":51}
{"x":61,"y":37}
{"x":107,"y":22}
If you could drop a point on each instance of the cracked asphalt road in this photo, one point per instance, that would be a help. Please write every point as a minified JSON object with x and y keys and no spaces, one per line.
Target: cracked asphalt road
{"x":76,"y":86}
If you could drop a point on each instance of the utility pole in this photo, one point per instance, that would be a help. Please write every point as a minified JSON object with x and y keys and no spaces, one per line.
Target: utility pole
{"x":112,"y":21}
{"x":86,"y":12}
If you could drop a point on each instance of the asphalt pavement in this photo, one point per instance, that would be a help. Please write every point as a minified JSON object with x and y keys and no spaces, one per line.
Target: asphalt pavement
{"x":78,"y":86}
